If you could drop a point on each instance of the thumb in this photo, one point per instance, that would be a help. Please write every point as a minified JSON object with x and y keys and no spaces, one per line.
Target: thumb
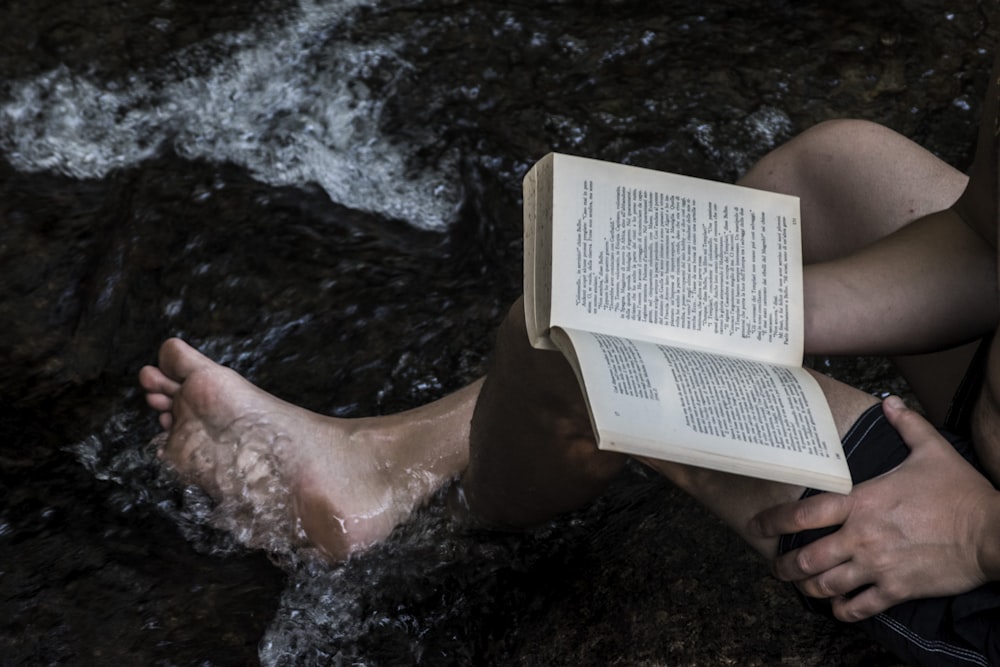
{"x":916,"y":431}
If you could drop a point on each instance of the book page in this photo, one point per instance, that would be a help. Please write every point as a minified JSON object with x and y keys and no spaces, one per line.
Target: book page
{"x":538,"y":252}
{"x":710,"y":410}
{"x":665,"y":257}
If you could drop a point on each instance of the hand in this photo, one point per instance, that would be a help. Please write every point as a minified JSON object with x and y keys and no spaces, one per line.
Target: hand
{"x":917,"y":531}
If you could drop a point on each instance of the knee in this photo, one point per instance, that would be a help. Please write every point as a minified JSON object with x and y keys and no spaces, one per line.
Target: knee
{"x":790,"y":167}
{"x":513,"y":354}
{"x":838,"y":139}
{"x":837,"y":131}
{"x":515,"y":361}
{"x":512,"y":335}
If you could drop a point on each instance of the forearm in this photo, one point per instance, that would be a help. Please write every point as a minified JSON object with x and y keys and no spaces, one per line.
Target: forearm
{"x":929,"y":286}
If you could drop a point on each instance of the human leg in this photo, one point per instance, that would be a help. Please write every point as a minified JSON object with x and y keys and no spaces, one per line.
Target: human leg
{"x":347,"y":483}
{"x":338,"y":485}
{"x":534,"y":454}
{"x":890,"y":268}
{"x":736,"y":499}
{"x":532,"y":449}
{"x":528,"y":454}
{"x":534,"y":461}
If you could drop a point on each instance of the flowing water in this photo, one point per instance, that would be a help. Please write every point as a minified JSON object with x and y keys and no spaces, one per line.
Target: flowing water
{"x":324,"y":194}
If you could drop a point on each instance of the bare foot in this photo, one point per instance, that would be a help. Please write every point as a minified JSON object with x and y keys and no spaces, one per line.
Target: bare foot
{"x":284,"y":476}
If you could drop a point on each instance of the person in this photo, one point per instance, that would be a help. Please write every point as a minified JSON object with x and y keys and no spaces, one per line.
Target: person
{"x":901,"y":260}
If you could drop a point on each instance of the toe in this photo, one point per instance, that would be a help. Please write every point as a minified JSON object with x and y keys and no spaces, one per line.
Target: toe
{"x":166,"y":420}
{"x":159,"y":402}
{"x":178,"y":359}
{"x":154,"y":381}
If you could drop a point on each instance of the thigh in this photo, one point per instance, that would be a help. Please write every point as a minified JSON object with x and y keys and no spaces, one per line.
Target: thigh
{"x":737,"y":499}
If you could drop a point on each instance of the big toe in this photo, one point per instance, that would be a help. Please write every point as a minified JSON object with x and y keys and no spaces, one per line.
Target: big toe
{"x":178,"y":360}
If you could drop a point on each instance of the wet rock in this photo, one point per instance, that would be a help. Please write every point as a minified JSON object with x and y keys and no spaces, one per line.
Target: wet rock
{"x":351,"y":312}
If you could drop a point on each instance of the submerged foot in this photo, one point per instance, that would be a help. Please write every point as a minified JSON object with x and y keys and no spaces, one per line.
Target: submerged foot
{"x":282,"y":475}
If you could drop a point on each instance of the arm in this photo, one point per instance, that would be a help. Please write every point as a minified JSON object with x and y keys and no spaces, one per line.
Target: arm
{"x":930,"y":285}
{"x":929,"y":528}
{"x":941,"y":289}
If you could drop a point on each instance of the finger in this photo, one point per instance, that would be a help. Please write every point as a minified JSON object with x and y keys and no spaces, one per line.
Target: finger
{"x":835,"y":582}
{"x":822,"y":511}
{"x":865,"y":604}
{"x":812,"y":560}
{"x":912,"y":427}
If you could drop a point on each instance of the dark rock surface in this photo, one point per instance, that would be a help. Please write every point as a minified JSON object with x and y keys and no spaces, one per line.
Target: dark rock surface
{"x":102,"y":560}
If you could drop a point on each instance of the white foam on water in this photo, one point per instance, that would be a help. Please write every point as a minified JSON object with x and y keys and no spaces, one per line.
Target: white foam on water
{"x":288,"y":105}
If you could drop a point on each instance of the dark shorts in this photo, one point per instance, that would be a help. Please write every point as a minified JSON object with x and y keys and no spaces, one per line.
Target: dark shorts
{"x":959,"y":630}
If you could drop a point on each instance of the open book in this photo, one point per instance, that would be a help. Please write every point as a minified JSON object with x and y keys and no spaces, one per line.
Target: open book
{"x":678,"y":302}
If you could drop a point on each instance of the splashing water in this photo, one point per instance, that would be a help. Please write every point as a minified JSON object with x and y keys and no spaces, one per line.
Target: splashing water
{"x":387,"y":605}
{"x":271,"y":108}
{"x":308,"y":96}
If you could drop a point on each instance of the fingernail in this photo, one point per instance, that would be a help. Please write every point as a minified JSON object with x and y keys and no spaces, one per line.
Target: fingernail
{"x":894,"y":402}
